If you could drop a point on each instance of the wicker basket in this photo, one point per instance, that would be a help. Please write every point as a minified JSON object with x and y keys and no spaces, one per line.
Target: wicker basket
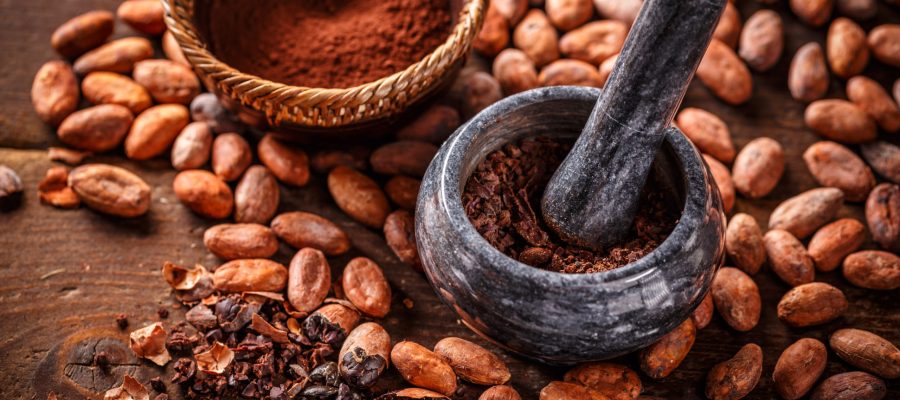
{"x":296,"y":108}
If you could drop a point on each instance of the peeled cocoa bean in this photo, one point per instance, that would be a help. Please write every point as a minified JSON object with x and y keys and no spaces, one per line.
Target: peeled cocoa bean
{"x":231,"y":155}
{"x":804,"y":213}
{"x":154,"y":130}
{"x":111,"y":190}
{"x":167,"y":81}
{"x":250,"y":275}
{"x":883,"y":216}
{"x":537,"y":37}
{"x":660,"y":359}
{"x":737,"y":299}
{"x":595,"y":41}
{"x":289,"y":164}
{"x":116,"y":56}
{"x":725,"y":74}
{"x":365,"y":286}
{"x":237,"y":241}
{"x":500,"y":392}
{"x":82,"y":33}
{"x":708,"y":132}
{"x":884,"y":41}
{"x":846,"y":48}
{"x":723,"y":180}
{"x":812,"y":12}
{"x":192,"y":147}
{"x":111,"y":88}
{"x":437,"y":123}
{"x":145,"y":16}
{"x":96,"y":129}
{"x":744,"y":243}
{"x":799,"y":367}
{"x":884,"y":158}
{"x":568,"y":72}
{"x":54,"y":189}
{"x":703,"y":314}
{"x":472,"y":362}
{"x":811,"y":304}
{"x":758,"y":167}
{"x":405,"y":157}
{"x":834,"y":241}
{"x":837,"y":166}
{"x":54,"y":92}
{"x":728,"y":30}
{"x":868,"y":351}
{"x":615,"y":381}
{"x":808,"y":77}
{"x":204,"y":193}
{"x":736,"y":377}
{"x":558,"y":390}
{"x":309,"y":280}
{"x":788,"y":258}
{"x":365,"y":355}
{"x":400,"y":235}
{"x":256,"y":196}
{"x":514,"y":71}
{"x":358,"y":196}
{"x":873,"y":269}
{"x":762,"y":40}
{"x":850,"y":386}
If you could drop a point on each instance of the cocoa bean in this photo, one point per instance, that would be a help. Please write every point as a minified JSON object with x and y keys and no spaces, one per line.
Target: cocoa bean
{"x":514,"y":71}
{"x":884,"y":41}
{"x":231,"y":155}
{"x":309,"y":280}
{"x":606,"y":68}
{"x":301,"y":229}
{"x":736,"y":377}
{"x":167,"y":81}
{"x":857,"y":9}
{"x":111,"y":88}
{"x":96,"y":129}
{"x":808,"y":77}
{"x":324,"y":161}
{"x":500,"y":392}
{"x":365,"y":355}
{"x":358,"y":196}
{"x":708,"y":132}
{"x":728,"y":30}
{"x":569,"y":14}
{"x":480,"y":90}
{"x":744,"y":243}
{"x":192,"y":147}
{"x":758,"y":167}
{"x":811,"y":304}
{"x":111,"y":190}
{"x":403,"y":191}
{"x":834,"y":241}
{"x":726,"y":76}
{"x":567,"y":72}
{"x":405,"y":157}
{"x":512,"y":10}
{"x":494,"y":34}
{"x":703,"y":314}
{"x":662,"y":357}
{"x":537,"y":37}
{"x":804,"y":213}
{"x":54,"y":92}
{"x":873,"y":269}
{"x":154,"y":130}
{"x":250,"y":275}
{"x":203,"y":193}
{"x":207,"y":108}
{"x":615,"y":381}
{"x":435,"y":124}
{"x":737,"y":299}
{"x":472,"y":362}
{"x":256,"y":196}
{"x":595,"y":41}
{"x":867,"y":351}
{"x":82,"y":33}
{"x":172,"y":49}
{"x":840,"y":120}
{"x":799,"y":367}
{"x":289,"y":164}
{"x":330,"y":323}
{"x":400,"y":235}
{"x":412,"y":394}
{"x":558,"y":390}
{"x":884,"y":158}
{"x":236,"y":241}
{"x":846,"y":48}
{"x":119,"y":55}
{"x":365,"y":286}
{"x":837,"y":166}
{"x":812,"y":12}
{"x":788,"y":258}
{"x":762,"y":40}
{"x":872,"y":98}
{"x":850,"y":386}
{"x":723,"y":181}
{"x":10,"y":188}
{"x":145,"y":16}
{"x":621,"y":10}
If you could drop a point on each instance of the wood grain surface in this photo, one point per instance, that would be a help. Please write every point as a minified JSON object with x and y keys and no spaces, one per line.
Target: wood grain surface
{"x":65,"y":275}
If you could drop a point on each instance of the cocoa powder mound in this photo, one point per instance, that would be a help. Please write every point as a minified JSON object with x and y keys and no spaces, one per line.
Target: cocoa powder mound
{"x":324,"y":43}
{"x":502,"y":199}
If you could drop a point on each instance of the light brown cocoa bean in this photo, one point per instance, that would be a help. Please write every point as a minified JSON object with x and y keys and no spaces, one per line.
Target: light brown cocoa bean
{"x":857,"y":9}
{"x":480,"y":90}
{"x":736,"y":377}
{"x":331,"y":323}
{"x":884,"y":158}
{"x":595,"y":41}
{"x":722,"y":178}
{"x":567,"y":72}
{"x":400,"y":235}
{"x":799,"y":367}
{"x":514,"y":71}
{"x":875,"y":101}
{"x":806,"y":212}
{"x":840,"y":120}
{"x":728,"y":30}
{"x":762,"y":40}
{"x":192,"y":147}
{"x":500,"y":392}
{"x":836,"y":166}
{"x":250,"y":275}
{"x":812,"y":12}
{"x":568,"y":14}
{"x":834,"y":241}
{"x":558,"y":390}
{"x":873,"y":269}
{"x":54,"y":189}
{"x":358,"y":196}
{"x":231,"y":155}
{"x":662,"y":358}
{"x":811,"y":304}
{"x":494,"y":34}
{"x":615,"y":381}
{"x":703,"y":314}
{"x":405,"y":157}
{"x":289,"y":164}
{"x":850,"y":386}
{"x":365,"y":286}
{"x":403,"y":191}
{"x":412,"y":394}
{"x":708,"y":132}
{"x":846,"y":48}
{"x":422,"y":367}
{"x":237,"y":241}
{"x":172,"y":49}
{"x":744,"y":243}
{"x":725,"y":74}
{"x":788,"y":258}
{"x":302,"y":229}
{"x":537,"y":37}
{"x":54,"y":92}
{"x":96,"y":129}
{"x":365,"y":355}
{"x":145,"y":16}
{"x":154,"y":130}
{"x":867,"y":351}
{"x":436,"y":123}
{"x":472,"y":362}
{"x":808,"y":77}
{"x":111,"y":190}
{"x":758,"y":167}
{"x":119,"y":55}
{"x":309,"y":280}
{"x":256,"y":196}
{"x":737,"y":298}
{"x":883,"y":216}
{"x":82,"y":33}
{"x":884,"y":41}
{"x":606,"y":68}
{"x":203,"y":193}
{"x":621,"y":10}
{"x":111,"y":88}
{"x":167,"y":81}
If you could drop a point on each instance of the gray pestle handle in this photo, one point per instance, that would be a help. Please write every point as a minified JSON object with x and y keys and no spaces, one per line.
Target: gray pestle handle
{"x":592,"y":198}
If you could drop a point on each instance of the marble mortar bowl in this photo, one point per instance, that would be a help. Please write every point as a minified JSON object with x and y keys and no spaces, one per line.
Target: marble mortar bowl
{"x":554,"y":317}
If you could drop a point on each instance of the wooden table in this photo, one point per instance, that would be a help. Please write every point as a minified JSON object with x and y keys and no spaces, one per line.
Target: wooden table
{"x":65,"y":275}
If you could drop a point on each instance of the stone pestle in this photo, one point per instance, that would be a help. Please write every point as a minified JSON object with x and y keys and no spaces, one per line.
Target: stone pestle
{"x":592,"y":198}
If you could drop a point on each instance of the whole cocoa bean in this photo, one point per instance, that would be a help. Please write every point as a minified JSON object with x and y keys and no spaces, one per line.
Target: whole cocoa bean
{"x":172,"y":50}
{"x":145,"y":16}
{"x":762,"y":40}
{"x":873,"y":269}
{"x":736,"y":377}
{"x":857,"y":9}
{"x":289,"y":164}
{"x":737,"y":298}
{"x":606,"y":68}
{"x":330,"y":323}
{"x":811,"y":304}
{"x":236,"y":241}
{"x":808,"y":77}
{"x":725,"y":74}
{"x":788,"y":258}
{"x":494,"y":34}
{"x":884,"y":41}
{"x":708,"y":132}
{"x":154,"y":130}
{"x":567,"y":72}
{"x":875,"y":101}
{"x":111,"y":88}
{"x":365,"y":286}
{"x":595,"y":41}
{"x":804,"y":213}
{"x":728,"y":30}
{"x":400,"y":235}
{"x":480,"y":90}
{"x":846,"y":49}
{"x":744,"y":243}
{"x":558,"y":390}
{"x":207,"y":108}
{"x":799,"y":367}
{"x":435,"y":124}
{"x":403,"y":191}
{"x":621,"y":10}
{"x":758,"y":167}
{"x":324,"y":161}
{"x":111,"y":190}
{"x":512,"y":10}
{"x":537,"y":37}
{"x":167,"y":81}
{"x":10,"y":188}
{"x":569,"y":14}
{"x":812,"y":12}
{"x":256,"y":196}
{"x":119,"y":55}
{"x":850,"y":386}
{"x":96,"y":129}
{"x":192,"y":147}
{"x":837,"y":166}
{"x":203,"y":193}
{"x":661,"y":358}
{"x":840,"y":120}
{"x":703,"y":314}
{"x":82,"y":33}
{"x":309,"y":280}
{"x":365,"y":355}
{"x":405,"y":157}
{"x":54,"y":92}
{"x":868,"y":351}
{"x":472,"y":362}
{"x":301,"y":229}
{"x":615,"y":381}
{"x":250,"y":275}
{"x":422,"y":367}
{"x":412,"y":394}
{"x":231,"y":155}
{"x":722,"y":178}
{"x":884,"y":158}
{"x":358,"y":196}
{"x":500,"y":392}
{"x":834,"y":241}
{"x":514,"y":71}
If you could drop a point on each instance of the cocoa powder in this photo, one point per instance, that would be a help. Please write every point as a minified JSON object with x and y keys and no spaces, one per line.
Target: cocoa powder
{"x":324,"y":43}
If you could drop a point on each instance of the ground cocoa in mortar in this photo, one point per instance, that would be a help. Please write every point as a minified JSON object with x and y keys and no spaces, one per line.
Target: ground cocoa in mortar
{"x":324,"y":43}
{"x":502,"y":200}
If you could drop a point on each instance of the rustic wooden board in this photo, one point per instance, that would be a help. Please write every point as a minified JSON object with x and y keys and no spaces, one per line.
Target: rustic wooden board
{"x":64,"y":275}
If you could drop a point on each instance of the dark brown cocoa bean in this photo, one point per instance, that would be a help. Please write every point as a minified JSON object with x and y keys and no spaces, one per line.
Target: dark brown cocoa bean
{"x":736,"y":377}
{"x":808,"y":77}
{"x":96,"y":129}
{"x":434,"y":125}
{"x":883,"y":216}
{"x":703,"y":314}
{"x":331,"y":323}
{"x":722,"y":177}
{"x":119,"y":55}
{"x":846,"y":48}
{"x":82,"y":33}
{"x":406,"y":157}
{"x":884,"y":158}
{"x":10,"y":188}
{"x":289,"y":164}
{"x":403,"y":191}
{"x":324,"y":161}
